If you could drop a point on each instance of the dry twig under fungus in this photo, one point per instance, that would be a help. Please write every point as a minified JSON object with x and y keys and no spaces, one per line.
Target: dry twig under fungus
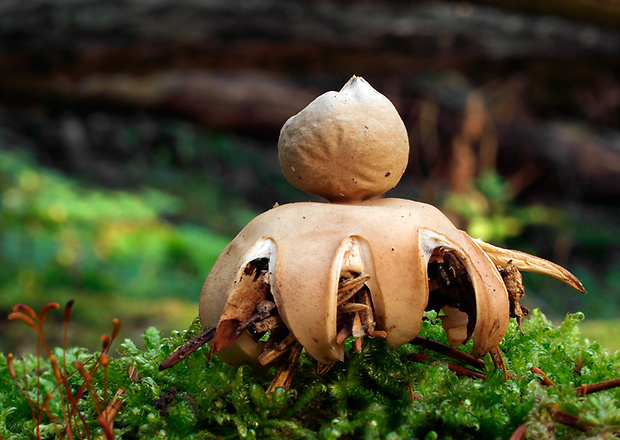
{"x":308,"y":276}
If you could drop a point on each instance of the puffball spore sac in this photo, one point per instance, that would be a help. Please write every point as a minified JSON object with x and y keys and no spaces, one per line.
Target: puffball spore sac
{"x":345,"y":146}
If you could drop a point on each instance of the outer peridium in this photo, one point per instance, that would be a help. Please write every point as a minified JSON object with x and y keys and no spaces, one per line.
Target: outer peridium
{"x":310,"y":244}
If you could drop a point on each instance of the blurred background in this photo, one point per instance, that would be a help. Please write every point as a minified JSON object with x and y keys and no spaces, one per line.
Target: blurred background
{"x":138,"y":137}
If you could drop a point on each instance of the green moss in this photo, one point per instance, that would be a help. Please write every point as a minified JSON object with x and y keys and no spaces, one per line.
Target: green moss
{"x":366,"y":396}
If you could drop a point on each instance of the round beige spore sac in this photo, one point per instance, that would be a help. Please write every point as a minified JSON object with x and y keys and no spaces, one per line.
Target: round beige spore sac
{"x":345,"y":146}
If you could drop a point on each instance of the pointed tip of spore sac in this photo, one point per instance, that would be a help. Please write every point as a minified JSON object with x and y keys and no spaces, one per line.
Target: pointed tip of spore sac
{"x":359,"y":89}
{"x":314,"y":145}
{"x":354,"y":80}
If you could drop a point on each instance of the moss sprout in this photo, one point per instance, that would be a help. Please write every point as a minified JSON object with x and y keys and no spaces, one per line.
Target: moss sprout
{"x":378,"y":393}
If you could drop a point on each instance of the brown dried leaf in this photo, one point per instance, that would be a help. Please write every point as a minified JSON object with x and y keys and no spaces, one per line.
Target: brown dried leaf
{"x":251,"y":289}
{"x":277,"y":349}
{"x":248,"y":292}
{"x":225,"y":335}
{"x":352,"y":307}
{"x":514,"y":285}
{"x":185,"y":350}
{"x":268,"y":324}
{"x":284,"y":375}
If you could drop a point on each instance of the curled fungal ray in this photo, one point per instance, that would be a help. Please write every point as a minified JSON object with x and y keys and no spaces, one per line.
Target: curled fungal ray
{"x":529,"y":263}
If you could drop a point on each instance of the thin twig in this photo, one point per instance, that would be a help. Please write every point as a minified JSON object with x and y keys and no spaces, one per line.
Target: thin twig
{"x":600,"y":386}
{"x":268,"y":324}
{"x":343,"y":334}
{"x":569,"y":420}
{"x":350,"y":287}
{"x":284,"y":375}
{"x":412,"y":394}
{"x":498,"y":361}
{"x":188,"y":348}
{"x":351,"y":307}
{"x":277,"y":349}
{"x":459,"y":370}
{"x":449,"y":351}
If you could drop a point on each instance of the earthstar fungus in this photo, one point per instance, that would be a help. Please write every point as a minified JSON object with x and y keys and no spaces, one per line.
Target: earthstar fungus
{"x":310,"y":275}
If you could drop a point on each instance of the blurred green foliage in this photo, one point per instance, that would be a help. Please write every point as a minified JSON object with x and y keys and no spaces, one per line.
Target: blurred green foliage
{"x":59,"y":239}
{"x":491,"y":213}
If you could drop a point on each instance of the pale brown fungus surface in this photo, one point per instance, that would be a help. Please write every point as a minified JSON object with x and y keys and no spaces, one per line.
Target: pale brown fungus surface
{"x":345,"y":146}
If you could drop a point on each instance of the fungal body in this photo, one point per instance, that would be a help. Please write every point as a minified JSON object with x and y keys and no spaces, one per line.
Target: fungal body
{"x":310,"y":275}
{"x":345,"y":146}
{"x":309,"y":247}
{"x":306,"y":249}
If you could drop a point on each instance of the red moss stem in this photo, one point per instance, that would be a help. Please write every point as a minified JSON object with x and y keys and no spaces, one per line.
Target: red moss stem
{"x":459,"y":370}
{"x":46,"y":309}
{"x":520,"y":432}
{"x":544,"y":379}
{"x":61,"y":385}
{"x":105,"y":361}
{"x":569,"y":420}
{"x":24,"y":308}
{"x":107,"y":429}
{"x":116,"y":329}
{"x":23,"y":317}
{"x":13,"y":374}
{"x":74,"y":421}
{"x":67,"y":318}
{"x":45,"y":408}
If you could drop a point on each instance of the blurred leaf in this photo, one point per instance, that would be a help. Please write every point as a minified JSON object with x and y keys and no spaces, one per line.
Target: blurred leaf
{"x":489,"y":211}
{"x":56,"y":235}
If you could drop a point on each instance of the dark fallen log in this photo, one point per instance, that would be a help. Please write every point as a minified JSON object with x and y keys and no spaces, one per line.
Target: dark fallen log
{"x":601,"y":13}
{"x":568,"y":159}
{"x":72,"y":39}
{"x":140,"y":35}
{"x":247,"y":67}
{"x":242,"y":101}
{"x":202,"y":60}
